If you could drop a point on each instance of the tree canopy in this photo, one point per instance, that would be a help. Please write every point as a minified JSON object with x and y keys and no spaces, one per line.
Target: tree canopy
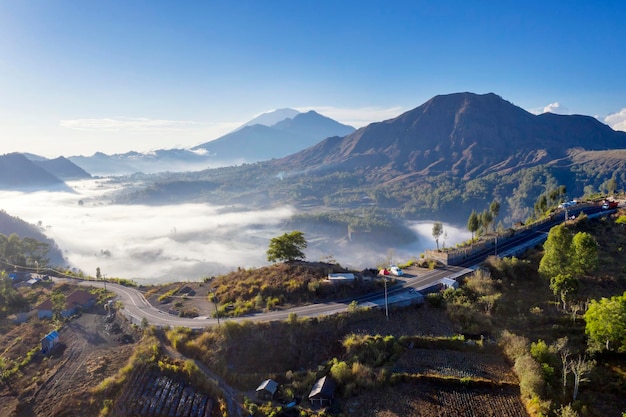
{"x":287,"y":247}
{"x":566,"y":254}
{"x":606,"y":324}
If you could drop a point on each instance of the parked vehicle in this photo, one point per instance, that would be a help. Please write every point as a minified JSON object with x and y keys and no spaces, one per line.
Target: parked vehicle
{"x":609,"y":205}
{"x":396,"y":271}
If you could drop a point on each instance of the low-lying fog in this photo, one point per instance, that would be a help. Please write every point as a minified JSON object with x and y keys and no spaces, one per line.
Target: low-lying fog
{"x":184,"y":242}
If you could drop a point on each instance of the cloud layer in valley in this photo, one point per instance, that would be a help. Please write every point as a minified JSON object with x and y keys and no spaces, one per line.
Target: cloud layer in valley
{"x":183,"y":242}
{"x":164,"y":243}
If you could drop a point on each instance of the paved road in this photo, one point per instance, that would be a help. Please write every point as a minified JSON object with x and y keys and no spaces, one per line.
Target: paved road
{"x":136,"y":307}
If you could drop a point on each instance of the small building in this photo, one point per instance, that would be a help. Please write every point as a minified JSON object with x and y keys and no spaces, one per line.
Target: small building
{"x":267,"y":389}
{"x":48,"y":342}
{"x":323,"y":392}
{"x":449,"y":283}
{"x":44,"y":310}
{"x":341,"y":278}
{"x":79,"y":299}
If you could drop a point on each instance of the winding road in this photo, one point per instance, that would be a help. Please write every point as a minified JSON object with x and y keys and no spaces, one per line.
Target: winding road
{"x":136,"y":307}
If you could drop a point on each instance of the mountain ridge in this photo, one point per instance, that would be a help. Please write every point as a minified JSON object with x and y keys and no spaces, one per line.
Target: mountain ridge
{"x":464,"y":134}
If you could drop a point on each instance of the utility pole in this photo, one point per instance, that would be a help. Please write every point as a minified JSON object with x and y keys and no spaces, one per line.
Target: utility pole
{"x":386,"y":303}
{"x":217,"y":312}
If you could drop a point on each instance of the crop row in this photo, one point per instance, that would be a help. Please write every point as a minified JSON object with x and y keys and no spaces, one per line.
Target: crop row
{"x":469,"y":403}
{"x":151,"y":394}
{"x":456,"y":364}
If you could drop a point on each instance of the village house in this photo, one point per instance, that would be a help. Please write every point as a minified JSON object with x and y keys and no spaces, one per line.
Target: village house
{"x":78,"y":300}
{"x":323,"y":392}
{"x":267,"y":390}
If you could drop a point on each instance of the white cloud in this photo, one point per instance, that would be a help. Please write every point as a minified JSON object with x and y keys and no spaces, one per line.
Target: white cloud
{"x":356,"y":117}
{"x":556,"y":108}
{"x":617,"y":120}
{"x":126,"y":124}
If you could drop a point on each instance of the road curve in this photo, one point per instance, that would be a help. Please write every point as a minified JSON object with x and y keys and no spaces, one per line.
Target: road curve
{"x":136,"y":307}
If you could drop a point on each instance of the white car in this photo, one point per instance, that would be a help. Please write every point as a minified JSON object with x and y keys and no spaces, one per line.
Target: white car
{"x":396,"y":271}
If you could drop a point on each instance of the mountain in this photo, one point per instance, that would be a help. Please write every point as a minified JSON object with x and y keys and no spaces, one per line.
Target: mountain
{"x":10,"y":224}
{"x":63,"y":168}
{"x":464,"y":135}
{"x":162,"y":160}
{"x":258,"y":142}
{"x":451,"y":155}
{"x":272,"y":117}
{"x":19,"y":173}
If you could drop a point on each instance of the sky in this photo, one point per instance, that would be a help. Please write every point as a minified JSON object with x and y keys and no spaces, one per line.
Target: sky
{"x":78,"y":77}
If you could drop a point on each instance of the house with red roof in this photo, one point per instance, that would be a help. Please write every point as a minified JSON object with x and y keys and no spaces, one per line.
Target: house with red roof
{"x":78,"y":300}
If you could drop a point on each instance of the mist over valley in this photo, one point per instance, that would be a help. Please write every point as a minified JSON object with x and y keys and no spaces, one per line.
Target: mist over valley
{"x":184,"y":242}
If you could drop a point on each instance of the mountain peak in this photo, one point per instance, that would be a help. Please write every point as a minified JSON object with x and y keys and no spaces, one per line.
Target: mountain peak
{"x":270,"y":118}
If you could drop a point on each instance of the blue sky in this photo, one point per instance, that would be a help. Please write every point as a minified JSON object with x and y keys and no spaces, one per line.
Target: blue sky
{"x":78,"y":77}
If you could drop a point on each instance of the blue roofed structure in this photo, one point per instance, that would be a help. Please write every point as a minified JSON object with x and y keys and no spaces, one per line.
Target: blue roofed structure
{"x":48,"y":342}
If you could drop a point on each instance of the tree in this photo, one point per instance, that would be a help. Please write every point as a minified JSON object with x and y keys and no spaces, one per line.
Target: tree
{"x":58,"y":303}
{"x":473,"y":223}
{"x":494,"y":208}
{"x":556,"y":257}
{"x":563,"y":285}
{"x":580,"y":368}
{"x":606,"y":324}
{"x":486,"y":218}
{"x":437,"y":232}
{"x":287,"y":247}
{"x":560,"y":347}
{"x":584,"y":253}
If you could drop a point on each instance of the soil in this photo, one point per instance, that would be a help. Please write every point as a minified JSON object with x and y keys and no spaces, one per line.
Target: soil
{"x":427,"y":399}
{"x":59,"y":384}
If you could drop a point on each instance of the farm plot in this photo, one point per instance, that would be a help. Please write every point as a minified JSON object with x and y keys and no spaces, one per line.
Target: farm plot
{"x":149,"y":393}
{"x":427,"y":399}
{"x":456,"y":364}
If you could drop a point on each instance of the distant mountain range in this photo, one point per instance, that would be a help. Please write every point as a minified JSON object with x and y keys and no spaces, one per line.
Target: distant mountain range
{"x":271,"y":135}
{"x":18,"y":172}
{"x":453,"y":154}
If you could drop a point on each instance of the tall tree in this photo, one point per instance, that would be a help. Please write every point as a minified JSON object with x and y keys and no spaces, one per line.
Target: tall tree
{"x":58,"y":303}
{"x":494,"y":208}
{"x":486,"y":219}
{"x":437,"y":232}
{"x":580,"y":368}
{"x":584,"y":253}
{"x":563,"y":286}
{"x":473,"y":223}
{"x":287,"y":247}
{"x":556,"y":257}
{"x":606,"y":324}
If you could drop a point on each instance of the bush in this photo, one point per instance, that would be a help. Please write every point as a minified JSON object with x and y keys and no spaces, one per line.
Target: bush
{"x":530,"y":376}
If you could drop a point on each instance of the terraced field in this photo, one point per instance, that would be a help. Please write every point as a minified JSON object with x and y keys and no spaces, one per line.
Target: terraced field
{"x":149,"y":393}
{"x":424,"y":398}
{"x":456,"y":364}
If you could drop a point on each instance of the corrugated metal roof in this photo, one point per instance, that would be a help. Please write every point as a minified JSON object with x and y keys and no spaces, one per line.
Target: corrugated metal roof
{"x":268,"y":385}
{"x":52,"y":335}
{"x":324,"y":386}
